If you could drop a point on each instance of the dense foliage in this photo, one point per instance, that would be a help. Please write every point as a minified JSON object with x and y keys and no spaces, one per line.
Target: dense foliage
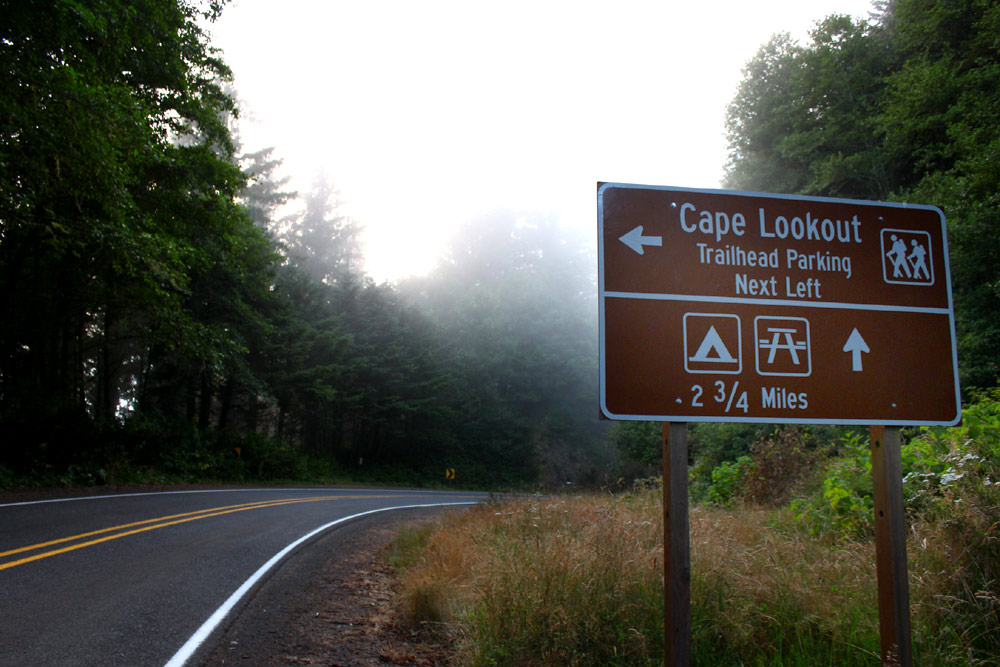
{"x":171,"y":312}
{"x":900,"y":107}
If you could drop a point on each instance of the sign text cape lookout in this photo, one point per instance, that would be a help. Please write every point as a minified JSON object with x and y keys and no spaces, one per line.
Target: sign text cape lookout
{"x":747,"y":307}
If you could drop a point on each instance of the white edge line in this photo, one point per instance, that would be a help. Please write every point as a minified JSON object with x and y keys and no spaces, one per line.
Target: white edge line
{"x":201,"y":634}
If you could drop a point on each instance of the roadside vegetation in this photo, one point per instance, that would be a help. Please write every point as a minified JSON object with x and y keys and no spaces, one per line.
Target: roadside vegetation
{"x":782,"y":563}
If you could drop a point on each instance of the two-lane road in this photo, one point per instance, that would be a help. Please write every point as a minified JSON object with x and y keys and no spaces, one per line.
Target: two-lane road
{"x":130,"y":579}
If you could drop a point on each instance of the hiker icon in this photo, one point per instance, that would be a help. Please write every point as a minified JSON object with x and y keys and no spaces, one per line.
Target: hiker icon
{"x":898,"y":256}
{"x":918,"y":258}
{"x":906,"y":257}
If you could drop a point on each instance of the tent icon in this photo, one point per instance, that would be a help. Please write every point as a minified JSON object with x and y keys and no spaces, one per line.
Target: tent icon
{"x":715,"y":341}
{"x":713,"y":349}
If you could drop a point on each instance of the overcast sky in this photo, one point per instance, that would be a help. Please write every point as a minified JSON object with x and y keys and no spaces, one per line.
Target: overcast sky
{"x":426,"y":112}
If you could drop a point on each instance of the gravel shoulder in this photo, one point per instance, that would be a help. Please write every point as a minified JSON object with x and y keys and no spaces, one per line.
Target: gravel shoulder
{"x":331,"y":603}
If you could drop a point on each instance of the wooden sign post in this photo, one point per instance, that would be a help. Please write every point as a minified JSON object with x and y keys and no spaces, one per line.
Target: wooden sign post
{"x":676,"y":547}
{"x":890,"y":547}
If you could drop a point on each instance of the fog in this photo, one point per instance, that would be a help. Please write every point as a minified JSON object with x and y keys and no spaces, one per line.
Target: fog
{"x":428,"y":115}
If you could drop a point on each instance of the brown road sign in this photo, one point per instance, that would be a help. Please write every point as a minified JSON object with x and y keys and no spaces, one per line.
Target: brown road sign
{"x":746,"y":307}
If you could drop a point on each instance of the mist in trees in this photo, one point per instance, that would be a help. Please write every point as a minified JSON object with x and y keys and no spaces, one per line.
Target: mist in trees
{"x":172,"y":311}
{"x":321,"y":240}
{"x":515,"y":299}
{"x":264,"y":195}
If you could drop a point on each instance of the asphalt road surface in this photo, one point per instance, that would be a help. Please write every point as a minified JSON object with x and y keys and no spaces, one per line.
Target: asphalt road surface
{"x":143,"y":579}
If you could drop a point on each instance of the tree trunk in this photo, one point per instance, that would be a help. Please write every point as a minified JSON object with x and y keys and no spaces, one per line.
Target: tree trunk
{"x":204,"y":402}
{"x":225,"y":404}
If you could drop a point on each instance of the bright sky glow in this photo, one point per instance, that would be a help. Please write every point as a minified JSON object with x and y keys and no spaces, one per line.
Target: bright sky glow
{"x":426,"y":113}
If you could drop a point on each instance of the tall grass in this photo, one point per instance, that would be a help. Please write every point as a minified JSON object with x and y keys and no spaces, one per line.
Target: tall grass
{"x":566,"y":582}
{"x":579,"y":581}
{"x":764,"y":592}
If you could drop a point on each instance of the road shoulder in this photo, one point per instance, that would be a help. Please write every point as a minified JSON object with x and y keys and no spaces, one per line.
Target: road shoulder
{"x":330,"y":603}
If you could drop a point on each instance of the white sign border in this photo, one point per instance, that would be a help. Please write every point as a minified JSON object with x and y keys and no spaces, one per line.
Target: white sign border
{"x":604,"y":294}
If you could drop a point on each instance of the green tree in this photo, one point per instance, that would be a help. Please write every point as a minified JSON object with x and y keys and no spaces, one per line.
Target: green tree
{"x":804,"y":119}
{"x":942,"y":115}
{"x":322,"y":240}
{"x":514,"y":299}
{"x":120,"y":236}
{"x":760,"y":118}
{"x":264,"y":194}
{"x":903,"y":108}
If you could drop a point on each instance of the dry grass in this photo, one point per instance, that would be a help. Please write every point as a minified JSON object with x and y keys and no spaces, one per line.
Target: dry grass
{"x":562,"y":582}
{"x":955,"y":584}
{"x":579,"y":581}
{"x":764,"y":592}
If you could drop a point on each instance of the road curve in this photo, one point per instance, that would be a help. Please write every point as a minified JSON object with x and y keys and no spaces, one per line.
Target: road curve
{"x":142,"y":579}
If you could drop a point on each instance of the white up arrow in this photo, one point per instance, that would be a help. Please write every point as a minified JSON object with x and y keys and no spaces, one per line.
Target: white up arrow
{"x":856,"y":345}
{"x":635,"y":240}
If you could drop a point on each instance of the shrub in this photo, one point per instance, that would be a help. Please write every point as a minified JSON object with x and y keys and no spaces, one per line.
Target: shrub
{"x":956,"y":551}
{"x":778,"y":462}
{"x":843,"y":504}
{"x":712,"y":445}
{"x":638,"y":442}
{"x":951,"y":489}
{"x":728,"y":481}
{"x":6,"y":478}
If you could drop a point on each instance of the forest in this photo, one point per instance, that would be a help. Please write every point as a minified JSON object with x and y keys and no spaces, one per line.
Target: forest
{"x":171,"y":313}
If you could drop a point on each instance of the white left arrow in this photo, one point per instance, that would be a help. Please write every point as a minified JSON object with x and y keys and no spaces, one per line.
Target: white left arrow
{"x":635,"y":240}
{"x":856,"y":345}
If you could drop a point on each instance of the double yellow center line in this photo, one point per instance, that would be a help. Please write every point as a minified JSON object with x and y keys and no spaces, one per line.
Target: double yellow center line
{"x":124,"y":530}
